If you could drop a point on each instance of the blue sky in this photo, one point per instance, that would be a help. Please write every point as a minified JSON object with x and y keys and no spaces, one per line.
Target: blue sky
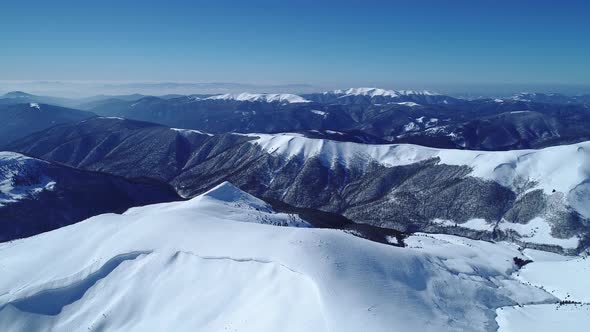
{"x":346,"y":43}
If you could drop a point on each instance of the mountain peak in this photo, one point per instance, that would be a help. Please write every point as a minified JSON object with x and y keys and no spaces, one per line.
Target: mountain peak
{"x":226,"y":192}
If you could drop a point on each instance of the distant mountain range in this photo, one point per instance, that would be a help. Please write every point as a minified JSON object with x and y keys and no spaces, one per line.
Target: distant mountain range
{"x":361,"y":114}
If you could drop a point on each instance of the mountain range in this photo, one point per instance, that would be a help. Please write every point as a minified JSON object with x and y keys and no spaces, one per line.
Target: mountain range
{"x":403,"y":187}
{"x":357,"y":209}
{"x":372,"y":115}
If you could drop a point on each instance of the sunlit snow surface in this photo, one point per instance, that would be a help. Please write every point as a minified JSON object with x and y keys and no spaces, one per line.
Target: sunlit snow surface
{"x":567,"y":279}
{"x":209,"y":265}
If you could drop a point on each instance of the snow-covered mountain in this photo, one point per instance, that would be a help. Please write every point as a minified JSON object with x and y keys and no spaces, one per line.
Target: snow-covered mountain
{"x":526,"y":196}
{"x":374,"y":92}
{"x":533,"y":175}
{"x":15,"y":184}
{"x":360,"y":96}
{"x":405,"y":116}
{"x":196,"y":265}
{"x":37,"y":196}
{"x":258,"y":97}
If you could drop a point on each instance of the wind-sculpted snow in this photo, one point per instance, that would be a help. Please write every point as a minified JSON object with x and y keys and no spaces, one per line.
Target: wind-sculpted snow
{"x":207,"y":272}
{"x":52,"y":301}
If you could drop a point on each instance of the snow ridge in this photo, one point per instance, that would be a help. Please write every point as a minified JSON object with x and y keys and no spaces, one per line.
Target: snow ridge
{"x":284,"y":98}
{"x":248,"y":276}
{"x":377,"y":92}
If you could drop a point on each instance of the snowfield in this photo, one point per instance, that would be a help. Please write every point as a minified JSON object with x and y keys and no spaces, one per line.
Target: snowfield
{"x":214,"y":263}
{"x":564,"y":277}
{"x":544,"y":318}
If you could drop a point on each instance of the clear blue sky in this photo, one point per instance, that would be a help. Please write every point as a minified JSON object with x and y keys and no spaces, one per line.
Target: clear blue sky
{"x":298,"y":41}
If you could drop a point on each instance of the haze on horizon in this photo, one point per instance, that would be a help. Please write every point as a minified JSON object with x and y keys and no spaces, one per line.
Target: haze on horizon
{"x":62,"y":47}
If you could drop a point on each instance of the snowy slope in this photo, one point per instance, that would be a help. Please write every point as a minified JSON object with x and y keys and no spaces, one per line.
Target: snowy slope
{"x":189,"y":266}
{"x":269,"y":98}
{"x":564,"y":277}
{"x":544,"y":318}
{"x":228,"y":201}
{"x":567,"y":278}
{"x":544,"y":167}
{"x":531,"y":169}
{"x":14,"y":186}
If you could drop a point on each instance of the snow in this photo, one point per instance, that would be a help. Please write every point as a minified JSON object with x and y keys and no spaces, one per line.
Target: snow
{"x":349,"y":154}
{"x":409,"y":104}
{"x":579,"y":198}
{"x":543,"y":169}
{"x":544,"y":318}
{"x":269,"y":98}
{"x":475,"y":224}
{"x":535,"y":231}
{"x":35,"y":105}
{"x":538,"y":230}
{"x":188,"y":132}
{"x":320,"y":113}
{"x":544,"y":166}
{"x":544,"y":256}
{"x":194,"y":265}
{"x":565,"y":278}
{"x":376,"y":92}
{"x":14,"y":166}
{"x":391,"y":239}
{"x":562,"y":276}
{"x":411,"y":127}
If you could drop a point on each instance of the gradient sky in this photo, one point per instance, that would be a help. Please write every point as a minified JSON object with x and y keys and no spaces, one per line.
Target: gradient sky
{"x":346,"y":43}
